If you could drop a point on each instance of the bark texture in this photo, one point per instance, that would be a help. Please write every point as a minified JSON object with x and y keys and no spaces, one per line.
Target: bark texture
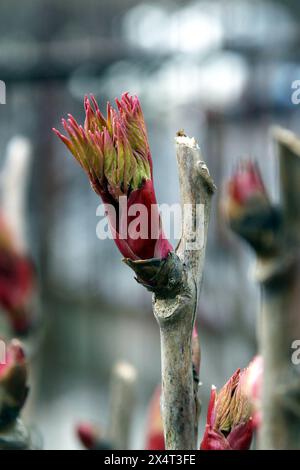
{"x":176,"y":314}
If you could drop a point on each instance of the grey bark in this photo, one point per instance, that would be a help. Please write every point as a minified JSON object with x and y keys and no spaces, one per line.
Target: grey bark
{"x":176,"y":315}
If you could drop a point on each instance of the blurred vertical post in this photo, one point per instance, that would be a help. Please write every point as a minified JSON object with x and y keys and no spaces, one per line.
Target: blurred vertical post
{"x":280,"y":322}
{"x":14,"y":187}
{"x":15,"y":180}
{"x":122,"y":399}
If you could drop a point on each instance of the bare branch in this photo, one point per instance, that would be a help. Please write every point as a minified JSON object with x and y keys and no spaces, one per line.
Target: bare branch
{"x":176,"y":315}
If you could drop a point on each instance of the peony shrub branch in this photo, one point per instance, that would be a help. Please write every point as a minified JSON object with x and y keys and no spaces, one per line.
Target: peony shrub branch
{"x":114,"y":152}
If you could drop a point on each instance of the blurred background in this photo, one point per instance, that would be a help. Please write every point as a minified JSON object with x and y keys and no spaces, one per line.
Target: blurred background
{"x":223,"y":71}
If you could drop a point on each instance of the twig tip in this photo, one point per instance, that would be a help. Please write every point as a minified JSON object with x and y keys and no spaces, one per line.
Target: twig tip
{"x":182,"y":139}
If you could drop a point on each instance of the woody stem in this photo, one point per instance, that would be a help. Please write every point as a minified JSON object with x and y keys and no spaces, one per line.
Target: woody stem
{"x":176,"y":316}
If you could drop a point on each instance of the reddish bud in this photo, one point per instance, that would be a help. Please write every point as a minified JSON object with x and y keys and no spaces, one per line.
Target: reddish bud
{"x":13,"y":383}
{"x":88,"y":435}
{"x":229,"y":423}
{"x":114,"y":152}
{"x":250,"y":213}
{"x":246,"y":184}
{"x":245,"y":189}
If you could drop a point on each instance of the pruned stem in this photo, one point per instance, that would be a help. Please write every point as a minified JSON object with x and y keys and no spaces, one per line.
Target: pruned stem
{"x":176,"y":315}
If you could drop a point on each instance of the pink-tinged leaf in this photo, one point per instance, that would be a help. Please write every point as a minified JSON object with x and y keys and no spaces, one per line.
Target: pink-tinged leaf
{"x":240,"y":437}
{"x":211,"y":406}
{"x":64,"y":139}
{"x":214,"y":440}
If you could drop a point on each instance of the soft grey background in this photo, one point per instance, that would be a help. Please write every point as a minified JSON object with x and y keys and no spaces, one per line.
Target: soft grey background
{"x":222,"y":70}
